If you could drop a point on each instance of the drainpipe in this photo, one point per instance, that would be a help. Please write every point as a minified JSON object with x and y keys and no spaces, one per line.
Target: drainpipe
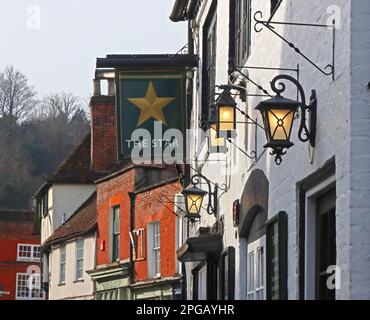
{"x":132,"y":196}
{"x":187,"y":167}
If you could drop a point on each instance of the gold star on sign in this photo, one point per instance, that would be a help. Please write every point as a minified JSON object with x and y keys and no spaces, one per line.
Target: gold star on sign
{"x":151,"y":106}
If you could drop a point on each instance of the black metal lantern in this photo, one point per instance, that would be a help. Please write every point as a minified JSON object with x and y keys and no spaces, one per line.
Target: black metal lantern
{"x":226,"y":111}
{"x":278,"y":114}
{"x":193,"y":201}
{"x":194,"y":197}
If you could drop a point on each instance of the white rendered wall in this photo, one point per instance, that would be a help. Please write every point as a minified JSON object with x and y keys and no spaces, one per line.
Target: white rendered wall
{"x":47,"y":221}
{"x":72,"y":289}
{"x":63,"y":198}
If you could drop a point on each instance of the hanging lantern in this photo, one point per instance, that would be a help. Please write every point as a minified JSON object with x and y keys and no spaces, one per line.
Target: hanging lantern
{"x":278,"y":115}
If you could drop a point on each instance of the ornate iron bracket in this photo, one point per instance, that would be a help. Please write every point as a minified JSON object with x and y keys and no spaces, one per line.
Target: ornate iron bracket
{"x":260,"y":24}
{"x":305,"y":133}
{"x":212,"y":206}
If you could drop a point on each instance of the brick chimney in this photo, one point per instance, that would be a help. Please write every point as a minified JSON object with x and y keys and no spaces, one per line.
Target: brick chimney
{"x":103,"y":131}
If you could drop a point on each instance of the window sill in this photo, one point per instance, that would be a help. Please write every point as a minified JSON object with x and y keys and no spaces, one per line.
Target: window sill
{"x":79,"y":281}
{"x":27,"y":260}
{"x":61,"y":284}
{"x":139,"y":259}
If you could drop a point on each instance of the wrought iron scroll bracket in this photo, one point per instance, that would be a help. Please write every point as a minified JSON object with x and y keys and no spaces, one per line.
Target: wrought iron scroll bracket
{"x":305,"y":134}
{"x":212,"y":206}
{"x":329,"y":70}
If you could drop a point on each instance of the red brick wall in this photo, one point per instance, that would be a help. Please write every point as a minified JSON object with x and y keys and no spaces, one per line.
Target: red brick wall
{"x":109,"y":194}
{"x":149,"y":209}
{"x":12,"y":234}
{"x":103,"y":133}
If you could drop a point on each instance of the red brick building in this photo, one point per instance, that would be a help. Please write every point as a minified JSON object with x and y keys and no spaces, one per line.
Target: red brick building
{"x":19,"y":257}
{"x":136,"y":249}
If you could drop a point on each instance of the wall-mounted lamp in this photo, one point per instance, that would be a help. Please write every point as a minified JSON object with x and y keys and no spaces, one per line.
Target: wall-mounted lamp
{"x":278,"y":114}
{"x":225,"y":111}
{"x":194,"y":197}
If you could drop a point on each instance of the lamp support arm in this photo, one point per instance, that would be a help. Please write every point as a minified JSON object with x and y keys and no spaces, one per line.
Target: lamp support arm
{"x":328,"y":70}
{"x":304,"y":133}
{"x":212,"y":206}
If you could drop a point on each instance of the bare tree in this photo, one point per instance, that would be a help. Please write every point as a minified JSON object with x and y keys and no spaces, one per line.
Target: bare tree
{"x":17,"y":97}
{"x":62,"y":105}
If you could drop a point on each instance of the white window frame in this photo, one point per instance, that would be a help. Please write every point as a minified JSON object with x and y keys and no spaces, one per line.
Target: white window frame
{"x":32,"y":252}
{"x":62,"y":281}
{"x":38,"y":286}
{"x":113,"y":232}
{"x":256,"y":282}
{"x":202,"y":283}
{"x":310,"y":234}
{"x":77,"y":278}
{"x":154,"y":253}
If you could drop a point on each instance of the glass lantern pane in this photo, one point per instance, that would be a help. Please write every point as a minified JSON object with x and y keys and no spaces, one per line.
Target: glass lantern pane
{"x":226,"y":118}
{"x":280,"y":123}
{"x":194,"y":203}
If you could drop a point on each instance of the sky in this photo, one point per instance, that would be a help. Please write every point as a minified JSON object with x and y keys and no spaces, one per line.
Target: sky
{"x":55,"y":43}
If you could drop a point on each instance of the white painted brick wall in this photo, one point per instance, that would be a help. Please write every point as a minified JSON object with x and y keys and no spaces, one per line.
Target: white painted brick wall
{"x":359,"y":213}
{"x":343,"y":130}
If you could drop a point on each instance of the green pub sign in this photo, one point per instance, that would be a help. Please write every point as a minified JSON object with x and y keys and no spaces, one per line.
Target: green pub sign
{"x":150,"y":112}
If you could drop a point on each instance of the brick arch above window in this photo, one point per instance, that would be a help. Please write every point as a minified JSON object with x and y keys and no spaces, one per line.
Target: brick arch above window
{"x":254,"y":204}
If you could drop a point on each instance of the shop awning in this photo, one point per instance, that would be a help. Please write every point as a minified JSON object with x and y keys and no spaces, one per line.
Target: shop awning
{"x":200,"y":248}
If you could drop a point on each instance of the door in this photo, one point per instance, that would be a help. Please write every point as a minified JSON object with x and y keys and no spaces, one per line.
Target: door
{"x":200,"y":282}
{"x":325,"y":244}
{"x":256,"y":269}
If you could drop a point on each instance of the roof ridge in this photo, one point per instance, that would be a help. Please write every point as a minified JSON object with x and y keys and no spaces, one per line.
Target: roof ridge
{"x":75,"y":168}
{"x":69,"y":156}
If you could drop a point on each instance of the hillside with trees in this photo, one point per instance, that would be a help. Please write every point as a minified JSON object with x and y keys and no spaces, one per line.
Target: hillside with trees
{"x":35,"y":136}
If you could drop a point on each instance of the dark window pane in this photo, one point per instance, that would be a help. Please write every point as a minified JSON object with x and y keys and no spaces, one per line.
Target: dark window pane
{"x":326,"y":244}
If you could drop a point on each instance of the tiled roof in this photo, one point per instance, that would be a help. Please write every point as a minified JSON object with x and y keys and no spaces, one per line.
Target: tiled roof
{"x":76,"y":168}
{"x":83,"y":221}
{"x":17,"y":225}
{"x":15,"y":216}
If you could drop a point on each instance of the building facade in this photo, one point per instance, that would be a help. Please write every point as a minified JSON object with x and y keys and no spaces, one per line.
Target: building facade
{"x":19,"y":257}
{"x":136,"y":243}
{"x":287,"y":229}
{"x":70,"y":253}
{"x":65,"y":237}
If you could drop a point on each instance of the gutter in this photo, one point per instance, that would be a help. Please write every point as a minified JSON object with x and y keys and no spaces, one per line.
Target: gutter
{"x":178,"y":11}
{"x":49,"y":244}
